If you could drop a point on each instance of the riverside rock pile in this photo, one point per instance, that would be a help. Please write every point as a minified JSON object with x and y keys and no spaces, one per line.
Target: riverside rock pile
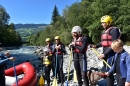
{"x":92,"y":62}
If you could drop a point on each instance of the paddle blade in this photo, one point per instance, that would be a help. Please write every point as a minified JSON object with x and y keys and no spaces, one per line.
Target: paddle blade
{"x":75,"y":76}
{"x":67,"y":83}
{"x":54,"y":82}
{"x":41,"y":81}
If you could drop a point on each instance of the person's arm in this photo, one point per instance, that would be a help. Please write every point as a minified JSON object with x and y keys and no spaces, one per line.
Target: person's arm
{"x":53,"y":49}
{"x":128,"y":69}
{"x":115,"y":35}
{"x":63,"y":48}
{"x":99,"y":45}
{"x":3,"y":61}
{"x":84,"y":45}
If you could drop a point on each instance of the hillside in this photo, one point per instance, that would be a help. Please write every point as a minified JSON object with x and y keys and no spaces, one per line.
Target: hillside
{"x":19,"y":26}
{"x":25,"y":30}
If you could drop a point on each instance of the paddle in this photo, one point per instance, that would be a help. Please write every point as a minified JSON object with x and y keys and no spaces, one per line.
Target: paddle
{"x":41,"y":80}
{"x":15,"y":74}
{"x":69,"y":67}
{"x":55,"y":80}
{"x":101,"y":59}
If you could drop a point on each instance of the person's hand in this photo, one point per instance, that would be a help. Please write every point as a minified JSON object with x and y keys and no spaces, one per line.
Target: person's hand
{"x":92,"y":46}
{"x":101,"y":56}
{"x":58,"y":47}
{"x":7,"y":54}
{"x":73,"y":43}
{"x":11,"y":58}
{"x":127,"y":83}
{"x":107,"y":73}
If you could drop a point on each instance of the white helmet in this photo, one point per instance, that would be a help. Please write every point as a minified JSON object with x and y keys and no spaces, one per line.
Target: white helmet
{"x":45,"y":50}
{"x":76,"y":29}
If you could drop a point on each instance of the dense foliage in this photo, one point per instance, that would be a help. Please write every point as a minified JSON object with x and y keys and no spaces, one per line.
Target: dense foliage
{"x":87,"y":14}
{"x":8,"y":35}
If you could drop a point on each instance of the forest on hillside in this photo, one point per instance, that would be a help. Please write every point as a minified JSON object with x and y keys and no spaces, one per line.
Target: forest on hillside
{"x":25,"y":30}
{"x":8,"y":35}
{"x":87,"y":15}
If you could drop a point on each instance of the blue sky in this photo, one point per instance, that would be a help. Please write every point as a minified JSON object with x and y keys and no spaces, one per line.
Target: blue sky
{"x":33,"y":11}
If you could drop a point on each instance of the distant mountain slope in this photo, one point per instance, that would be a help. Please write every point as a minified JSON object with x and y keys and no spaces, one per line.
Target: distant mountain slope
{"x":18,"y":26}
{"x":25,"y":30}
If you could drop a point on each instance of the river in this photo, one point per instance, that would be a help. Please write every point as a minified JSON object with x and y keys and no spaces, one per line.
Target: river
{"x":22,"y":54}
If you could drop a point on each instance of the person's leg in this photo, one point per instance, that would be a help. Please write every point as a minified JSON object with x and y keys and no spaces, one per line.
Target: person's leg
{"x":83,"y":68}
{"x":47,"y":74}
{"x":78,"y":71}
{"x":53,"y":66}
{"x":117,"y":78}
{"x":110,"y":80}
{"x":61,"y":68}
{"x":2,"y":79}
{"x":120,"y":81}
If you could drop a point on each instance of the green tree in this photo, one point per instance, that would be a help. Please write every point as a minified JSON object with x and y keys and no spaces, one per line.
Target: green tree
{"x":55,"y":15}
{"x":4,"y":17}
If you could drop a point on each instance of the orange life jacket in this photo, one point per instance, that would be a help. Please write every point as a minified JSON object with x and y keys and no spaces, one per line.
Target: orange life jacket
{"x":106,"y":38}
{"x":78,"y":42}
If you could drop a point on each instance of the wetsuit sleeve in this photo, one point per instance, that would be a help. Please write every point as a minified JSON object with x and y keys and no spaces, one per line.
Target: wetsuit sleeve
{"x":128,"y":68}
{"x":53,"y":49}
{"x":4,"y":59}
{"x":63,"y":48}
{"x":84,"y":45}
{"x":98,"y":45}
{"x":111,"y":70}
{"x":115,"y":35}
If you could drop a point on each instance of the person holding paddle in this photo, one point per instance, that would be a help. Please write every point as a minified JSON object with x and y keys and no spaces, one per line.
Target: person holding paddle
{"x":3,"y":59}
{"x":121,"y":65}
{"x":79,"y":46}
{"x":59,"y":50}
{"x":47,"y":62}
{"x":109,"y":34}
{"x":50,"y":47}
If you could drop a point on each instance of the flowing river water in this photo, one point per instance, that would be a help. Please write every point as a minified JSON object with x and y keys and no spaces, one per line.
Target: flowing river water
{"x":22,"y":54}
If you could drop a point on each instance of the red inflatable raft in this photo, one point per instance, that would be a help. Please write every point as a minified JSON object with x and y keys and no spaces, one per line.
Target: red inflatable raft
{"x":30,"y":75}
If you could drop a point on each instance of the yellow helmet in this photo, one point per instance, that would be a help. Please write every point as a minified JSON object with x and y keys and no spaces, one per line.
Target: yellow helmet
{"x":48,"y":39}
{"x":57,"y":37}
{"x":107,"y":19}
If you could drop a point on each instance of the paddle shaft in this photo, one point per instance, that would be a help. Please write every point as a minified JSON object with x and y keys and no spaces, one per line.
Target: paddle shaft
{"x":15,"y":74}
{"x":101,"y":59}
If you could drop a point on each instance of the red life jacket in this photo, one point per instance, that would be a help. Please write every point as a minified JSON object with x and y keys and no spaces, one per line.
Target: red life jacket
{"x":106,"y":38}
{"x":78,"y":42}
{"x":49,"y":49}
{"x":59,"y":50}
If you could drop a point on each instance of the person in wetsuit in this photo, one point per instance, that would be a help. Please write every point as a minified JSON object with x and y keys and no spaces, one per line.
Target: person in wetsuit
{"x":59,"y":51}
{"x":109,"y":34}
{"x":50,"y":47}
{"x":79,"y":46}
{"x":47,"y":61}
{"x":121,"y":65}
{"x":3,"y":59}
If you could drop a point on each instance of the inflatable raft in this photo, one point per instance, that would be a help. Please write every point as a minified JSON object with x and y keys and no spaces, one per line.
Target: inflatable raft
{"x":30,"y":75}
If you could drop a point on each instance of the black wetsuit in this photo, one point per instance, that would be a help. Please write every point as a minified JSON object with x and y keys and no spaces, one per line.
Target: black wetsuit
{"x":3,"y":59}
{"x":47,"y":69}
{"x":60,"y":61}
{"x":109,"y":54}
{"x":50,"y":48}
{"x":80,"y":62}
